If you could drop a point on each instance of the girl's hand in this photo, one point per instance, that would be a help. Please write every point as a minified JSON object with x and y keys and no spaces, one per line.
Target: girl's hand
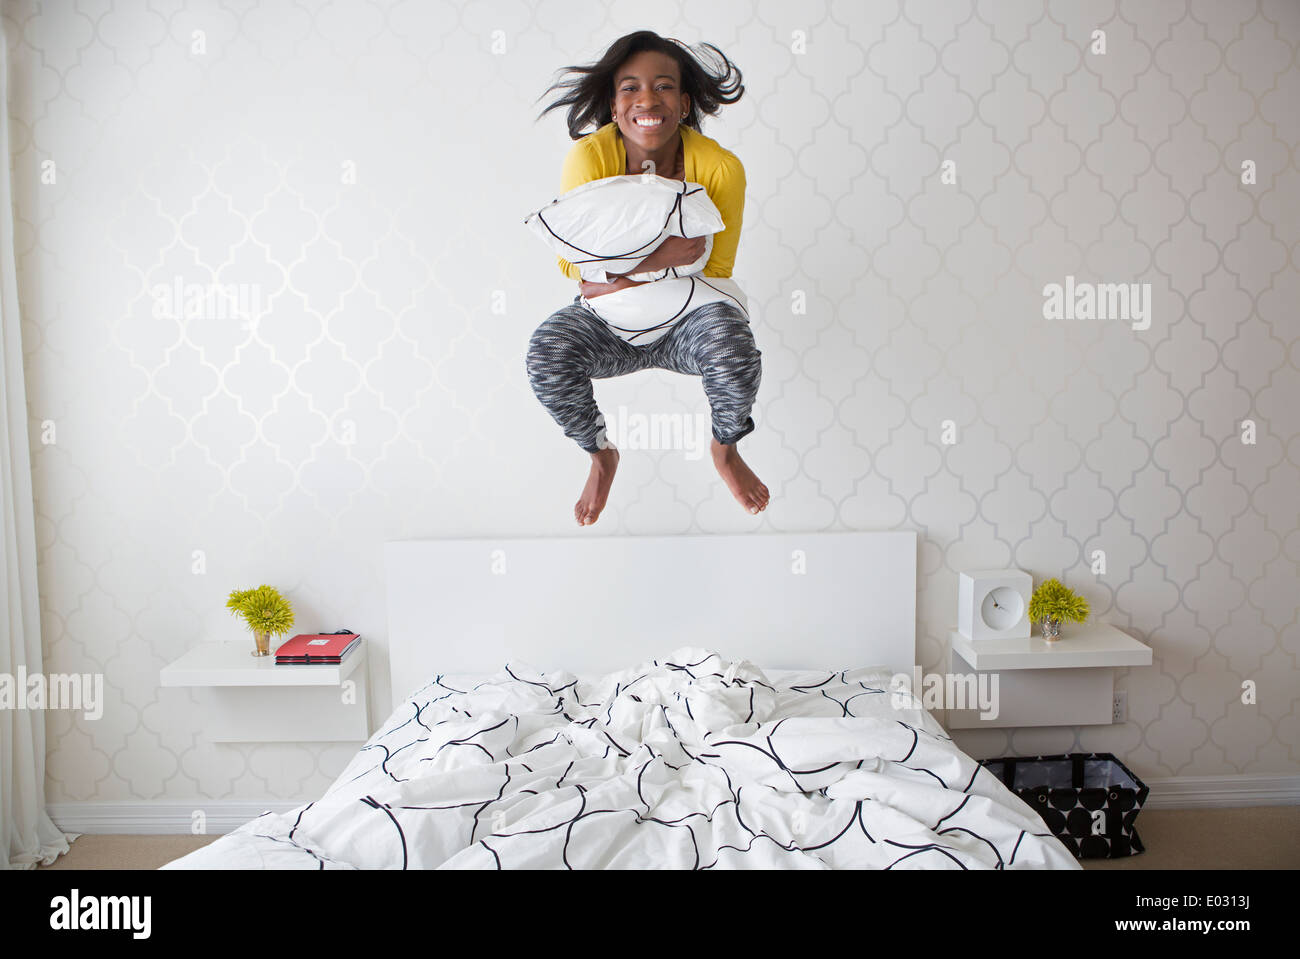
{"x":673,"y":251}
{"x":590,"y":289}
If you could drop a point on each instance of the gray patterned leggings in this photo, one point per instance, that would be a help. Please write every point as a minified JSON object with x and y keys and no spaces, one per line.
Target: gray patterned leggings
{"x":573,"y":346}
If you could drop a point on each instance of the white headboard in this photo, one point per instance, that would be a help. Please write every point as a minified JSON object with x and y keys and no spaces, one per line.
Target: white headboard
{"x":596,"y":604}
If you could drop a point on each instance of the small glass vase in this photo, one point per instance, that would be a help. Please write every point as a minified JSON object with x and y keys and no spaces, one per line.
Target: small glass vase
{"x":1051,"y":630}
{"x":263,"y":641}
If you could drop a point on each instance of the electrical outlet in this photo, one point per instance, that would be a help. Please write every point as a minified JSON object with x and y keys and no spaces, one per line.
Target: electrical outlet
{"x":1119,"y":708}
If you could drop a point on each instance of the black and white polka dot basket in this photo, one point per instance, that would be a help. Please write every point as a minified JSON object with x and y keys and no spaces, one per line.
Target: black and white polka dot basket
{"x":1089,"y":801}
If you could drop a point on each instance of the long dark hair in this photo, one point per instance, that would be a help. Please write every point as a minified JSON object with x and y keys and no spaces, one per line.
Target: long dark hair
{"x":592,"y":87}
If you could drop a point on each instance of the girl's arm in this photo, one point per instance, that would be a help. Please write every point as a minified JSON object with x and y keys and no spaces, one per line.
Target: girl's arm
{"x":727,"y":191}
{"x":673,"y":251}
{"x":590,"y":289}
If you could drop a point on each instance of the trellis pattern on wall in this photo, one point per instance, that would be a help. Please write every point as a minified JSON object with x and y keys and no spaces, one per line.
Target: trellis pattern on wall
{"x":276,"y":293}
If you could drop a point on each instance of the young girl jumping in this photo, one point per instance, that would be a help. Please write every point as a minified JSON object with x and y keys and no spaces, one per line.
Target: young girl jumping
{"x":646,"y":96}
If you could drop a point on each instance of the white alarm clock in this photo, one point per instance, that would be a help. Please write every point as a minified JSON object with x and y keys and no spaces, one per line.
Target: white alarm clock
{"x":994,"y":604}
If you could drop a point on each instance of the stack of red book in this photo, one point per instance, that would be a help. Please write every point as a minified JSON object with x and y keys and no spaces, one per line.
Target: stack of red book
{"x":317,"y":648}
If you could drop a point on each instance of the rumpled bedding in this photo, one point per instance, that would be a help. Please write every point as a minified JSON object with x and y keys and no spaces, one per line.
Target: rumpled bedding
{"x":691,"y":761}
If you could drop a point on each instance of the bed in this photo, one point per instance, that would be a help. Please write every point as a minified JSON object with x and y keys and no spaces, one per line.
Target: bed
{"x":694,"y":702}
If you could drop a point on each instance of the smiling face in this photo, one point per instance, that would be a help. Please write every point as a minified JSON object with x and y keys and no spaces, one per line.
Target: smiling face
{"x":648,"y":86}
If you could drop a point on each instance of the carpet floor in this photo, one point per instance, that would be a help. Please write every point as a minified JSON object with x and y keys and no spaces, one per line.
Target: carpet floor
{"x":1256,"y":837}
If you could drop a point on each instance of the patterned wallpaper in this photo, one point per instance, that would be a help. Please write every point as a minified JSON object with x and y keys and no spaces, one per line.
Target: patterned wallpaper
{"x":276,"y":293}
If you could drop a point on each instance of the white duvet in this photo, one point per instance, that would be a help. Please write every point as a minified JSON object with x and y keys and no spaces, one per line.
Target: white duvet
{"x":686,"y":762}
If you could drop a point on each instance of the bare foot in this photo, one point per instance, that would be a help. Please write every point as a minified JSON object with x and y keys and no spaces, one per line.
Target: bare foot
{"x":592,"y":501}
{"x":740,"y":479}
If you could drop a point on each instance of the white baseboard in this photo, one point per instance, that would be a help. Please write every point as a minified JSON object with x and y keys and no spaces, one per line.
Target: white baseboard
{"x":221,"y":816}
{"x":1222,"y":792}
{"x":162,"y":818}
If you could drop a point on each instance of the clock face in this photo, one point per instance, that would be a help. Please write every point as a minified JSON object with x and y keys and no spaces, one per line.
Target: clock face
{"x":1002,"y":608}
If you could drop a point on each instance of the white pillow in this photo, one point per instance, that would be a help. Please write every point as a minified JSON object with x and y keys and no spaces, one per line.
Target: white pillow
{"x":616,"y":222}
{"x":642,"y":314}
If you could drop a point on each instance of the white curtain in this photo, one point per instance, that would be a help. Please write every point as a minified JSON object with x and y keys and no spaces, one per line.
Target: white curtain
{"x":27,"y":834}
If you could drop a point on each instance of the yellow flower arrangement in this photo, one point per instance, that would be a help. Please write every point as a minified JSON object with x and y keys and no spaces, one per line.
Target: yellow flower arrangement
{"x":1052,"y":604}
{"x":263,"y":609}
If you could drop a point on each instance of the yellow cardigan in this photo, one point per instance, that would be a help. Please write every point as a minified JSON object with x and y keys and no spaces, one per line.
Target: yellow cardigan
{"x":708,"y":163}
